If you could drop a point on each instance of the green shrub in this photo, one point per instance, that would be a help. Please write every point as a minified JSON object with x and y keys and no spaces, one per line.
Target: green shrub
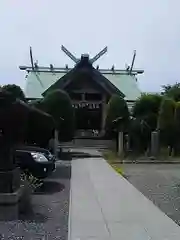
{"x":177,"y":129}
{"x":117,"y":108}
{"x":172,"y":91}
{"x":58,"y":104}
{"x":33,"y":182}
{"x":145,"y":117}
{"x":15,"y":90}
{"x":28,"y":185}
{"x":140,"y":136}
{"x":166,"y":123}
{"x":14,"y":115}
{"x":147,"y":108}
{"x":40,"y":128}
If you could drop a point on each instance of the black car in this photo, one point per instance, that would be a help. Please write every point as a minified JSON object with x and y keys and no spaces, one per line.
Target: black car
{"x":37,"y":161}
{"x":35,"y":148}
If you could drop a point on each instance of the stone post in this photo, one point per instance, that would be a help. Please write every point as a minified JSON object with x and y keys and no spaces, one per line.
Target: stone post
{"x":127,"y":142}
{"x":154,"y":144}
{"x":120,"y":144}
{"x":56,"y":143}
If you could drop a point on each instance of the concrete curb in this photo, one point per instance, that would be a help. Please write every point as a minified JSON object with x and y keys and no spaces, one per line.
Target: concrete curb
{"x":150,"y":162}
{"x":70,"y":202}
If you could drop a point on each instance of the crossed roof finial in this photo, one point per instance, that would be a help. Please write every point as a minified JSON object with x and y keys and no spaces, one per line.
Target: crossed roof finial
{"x":76,"y":60}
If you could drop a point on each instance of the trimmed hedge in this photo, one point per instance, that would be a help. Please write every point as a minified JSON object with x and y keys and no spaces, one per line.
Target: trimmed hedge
{"x":117,"y":108}
{"x":40,"y":128}
{"x":147,"y":108}
{"x":58,"y":105}
{"x":166,"y":123}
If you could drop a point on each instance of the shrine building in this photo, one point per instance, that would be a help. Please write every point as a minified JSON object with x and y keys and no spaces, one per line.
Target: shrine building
{"x":89,"y":87}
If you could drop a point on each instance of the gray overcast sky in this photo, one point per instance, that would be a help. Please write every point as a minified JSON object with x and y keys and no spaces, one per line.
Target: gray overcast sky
{"x":150,"y":27}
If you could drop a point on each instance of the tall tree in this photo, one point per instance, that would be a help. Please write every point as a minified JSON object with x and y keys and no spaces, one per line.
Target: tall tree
{"x":177,"y":128}
{"x":15,"y":90}
{"x":172,"y":91}
{"x":166,"y":123}
{"x":146,"y":108}
{"x":40,"y":127}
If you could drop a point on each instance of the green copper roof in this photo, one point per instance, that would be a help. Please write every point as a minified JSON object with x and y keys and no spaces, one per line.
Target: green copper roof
{"x":37,"y":83}
{"x":126,"y":84}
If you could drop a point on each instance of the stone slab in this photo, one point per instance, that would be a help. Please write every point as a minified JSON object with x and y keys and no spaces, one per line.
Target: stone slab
{"x":9,"y":205}
{"x":104,"y":205}
{"x":9,"y":180}
{"x":10,"y":198}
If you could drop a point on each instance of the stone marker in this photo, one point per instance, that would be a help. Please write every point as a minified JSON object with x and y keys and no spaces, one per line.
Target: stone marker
{"x":120,"y":144}
{"x":154,"y":144}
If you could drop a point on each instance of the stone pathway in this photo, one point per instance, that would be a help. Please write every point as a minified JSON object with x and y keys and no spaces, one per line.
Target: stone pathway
{"x":105,"y":206}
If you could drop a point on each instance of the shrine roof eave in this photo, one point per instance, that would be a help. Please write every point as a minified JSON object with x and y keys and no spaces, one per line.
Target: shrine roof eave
{"x":67,"y":78}
{"x":66,"y":70}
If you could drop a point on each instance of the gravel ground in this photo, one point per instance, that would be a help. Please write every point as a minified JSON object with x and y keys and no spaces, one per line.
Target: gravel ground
{"x":49,"y":219}
{"x":159,"y":183}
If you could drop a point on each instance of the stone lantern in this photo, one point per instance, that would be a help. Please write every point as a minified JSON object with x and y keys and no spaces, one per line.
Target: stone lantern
{"x":13,"y":117}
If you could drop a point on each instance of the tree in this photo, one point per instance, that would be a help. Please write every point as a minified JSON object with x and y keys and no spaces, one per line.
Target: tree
{"x":15,"y":90}
{"x":172,"y":91}
{"x":58,"y":104}
{"x":40,"y":127}
{"x":145,"y":115}
{"x":166,"y":123}
{"x":117,"y":108}
{"x":177,"y":129}
{"x":140,"y":135}
{"x":147,"y":108}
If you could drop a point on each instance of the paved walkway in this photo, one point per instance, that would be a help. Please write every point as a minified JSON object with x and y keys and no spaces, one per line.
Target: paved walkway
{"x":105,"y":206}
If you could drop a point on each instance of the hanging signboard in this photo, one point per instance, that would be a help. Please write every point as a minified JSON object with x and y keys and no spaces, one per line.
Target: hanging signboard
{"x":86,"y":105}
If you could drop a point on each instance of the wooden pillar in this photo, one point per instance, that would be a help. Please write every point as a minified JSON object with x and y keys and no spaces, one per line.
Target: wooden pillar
{"x":83,"y":97}
{"x":103,"y":121}
{"x":56,"y":141}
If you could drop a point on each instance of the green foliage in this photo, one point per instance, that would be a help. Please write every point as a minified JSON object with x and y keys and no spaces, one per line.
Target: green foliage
{"x":34,"y":182}
{"x":177,"y":128}
{"x":28,"y":185}
{"x":117,"y":108}
{"x":13,"y":120}
{"x":147,"y":109}
{"x":40,"y":127}
{"x":58,"y":104}
{"x":113,"y":159}
{"x":140,"y":135}
{"x":166,"y":114}
{"x":145,"y":115}
{"x":166,"y":123}
{"x":15,"y":90}
{"x":177,"y":114}
{"x":172,"y":91}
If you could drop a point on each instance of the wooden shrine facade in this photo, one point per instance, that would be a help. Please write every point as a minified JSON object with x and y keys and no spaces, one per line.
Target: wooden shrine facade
{"x":89,"y":91}
{"x":89,"y":88}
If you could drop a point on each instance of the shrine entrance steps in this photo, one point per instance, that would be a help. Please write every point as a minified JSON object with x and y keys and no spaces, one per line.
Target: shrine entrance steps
{"x":89,"y":143}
